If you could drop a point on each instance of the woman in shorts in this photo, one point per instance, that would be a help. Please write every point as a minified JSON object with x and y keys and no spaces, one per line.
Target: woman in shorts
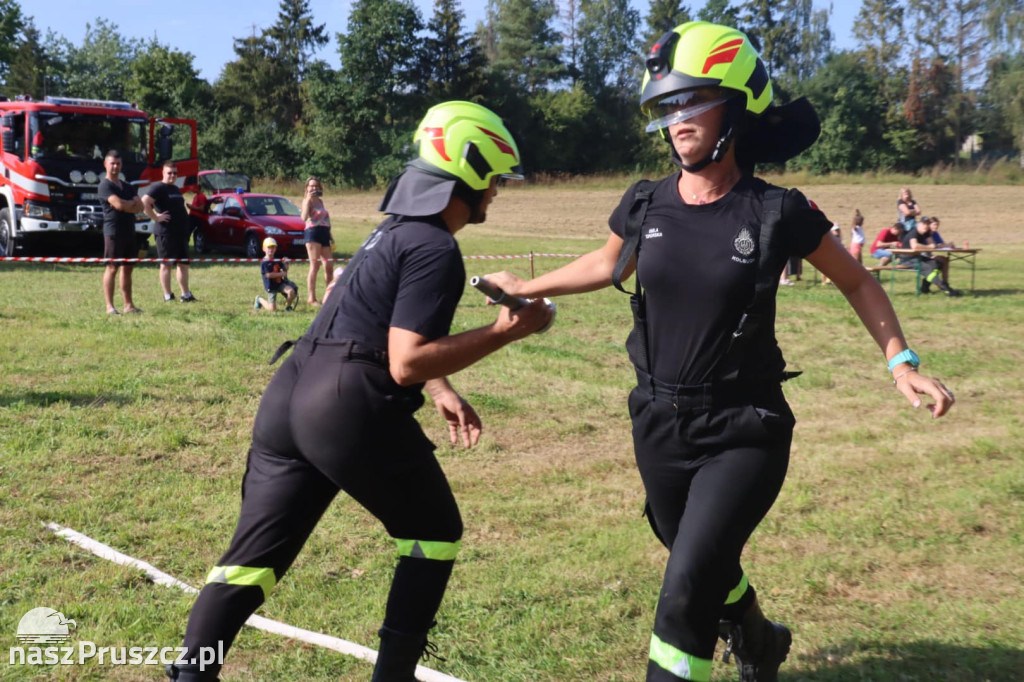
{"x":318,"y":236}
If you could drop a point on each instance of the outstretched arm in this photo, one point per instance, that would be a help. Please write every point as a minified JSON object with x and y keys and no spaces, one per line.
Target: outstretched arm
{"x":413,"y":358}
{"x":875,"y":311}
{"x":589,"y":272}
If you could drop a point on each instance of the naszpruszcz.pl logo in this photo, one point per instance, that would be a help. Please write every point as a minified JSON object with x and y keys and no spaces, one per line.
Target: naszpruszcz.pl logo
{"x":42,"y":629}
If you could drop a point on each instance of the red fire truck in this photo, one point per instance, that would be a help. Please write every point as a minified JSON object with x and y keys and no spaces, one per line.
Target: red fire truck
{"x":51,"y":164}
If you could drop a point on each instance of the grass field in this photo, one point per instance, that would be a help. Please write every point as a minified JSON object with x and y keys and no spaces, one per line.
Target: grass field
{"x":894,"y":551}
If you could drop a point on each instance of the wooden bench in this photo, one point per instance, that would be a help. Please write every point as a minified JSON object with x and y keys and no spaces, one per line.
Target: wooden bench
{"x":893,"y":268}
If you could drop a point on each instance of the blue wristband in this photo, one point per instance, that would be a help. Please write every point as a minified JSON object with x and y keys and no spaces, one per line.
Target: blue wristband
{"x":908,"y":356}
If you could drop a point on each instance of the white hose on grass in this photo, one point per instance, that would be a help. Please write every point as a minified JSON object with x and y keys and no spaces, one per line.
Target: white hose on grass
{"x":258,"y":622}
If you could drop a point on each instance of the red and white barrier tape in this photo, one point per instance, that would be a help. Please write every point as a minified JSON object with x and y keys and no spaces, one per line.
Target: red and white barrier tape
{"x":60,"y":259}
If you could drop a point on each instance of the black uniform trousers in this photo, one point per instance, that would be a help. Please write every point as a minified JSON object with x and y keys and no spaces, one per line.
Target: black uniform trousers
{"x":712,"y":463}
{"x":333,"y":419}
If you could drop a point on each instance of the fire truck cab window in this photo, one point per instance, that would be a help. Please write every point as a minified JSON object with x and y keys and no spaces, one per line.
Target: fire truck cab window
{"x":216,"y":206}
{"x":88,"y":136}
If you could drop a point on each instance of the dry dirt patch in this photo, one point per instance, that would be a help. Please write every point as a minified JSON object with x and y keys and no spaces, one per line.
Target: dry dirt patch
{"x":985,"y":216}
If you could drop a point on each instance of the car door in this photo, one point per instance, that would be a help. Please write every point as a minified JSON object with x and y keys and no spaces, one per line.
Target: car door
{"x":215,"y":228}
{"x":233,"y":222}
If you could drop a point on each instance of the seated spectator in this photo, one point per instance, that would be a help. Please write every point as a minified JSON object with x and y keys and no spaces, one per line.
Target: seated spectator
{"x":889,"y":238}
{"x":908,"y":210}
{"x":936,"y":237}
{"x":920,"y":240}
{"x":938,"y":241}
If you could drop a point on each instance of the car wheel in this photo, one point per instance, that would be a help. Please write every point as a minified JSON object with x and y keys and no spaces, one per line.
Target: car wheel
{"x":200,"y":240}
{"x":253,"y":248}
{"x":6,"y":233}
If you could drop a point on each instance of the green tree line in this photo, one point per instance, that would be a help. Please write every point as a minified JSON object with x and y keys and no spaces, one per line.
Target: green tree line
{"x":927,"y":79}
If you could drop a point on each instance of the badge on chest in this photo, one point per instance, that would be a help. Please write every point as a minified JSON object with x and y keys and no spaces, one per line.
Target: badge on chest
{"x":744,"y":245}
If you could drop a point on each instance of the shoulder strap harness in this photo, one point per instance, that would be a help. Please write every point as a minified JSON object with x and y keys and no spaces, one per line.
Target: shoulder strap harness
{"x":761,"y":309}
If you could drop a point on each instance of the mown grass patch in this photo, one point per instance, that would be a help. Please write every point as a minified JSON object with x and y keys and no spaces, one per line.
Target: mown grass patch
{"x":893,"y":551}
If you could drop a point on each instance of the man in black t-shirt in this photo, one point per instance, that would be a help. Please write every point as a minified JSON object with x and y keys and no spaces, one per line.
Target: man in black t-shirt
{"x":120,"y":204}
{"x":339,"y":414}
{"x":165,"y":206}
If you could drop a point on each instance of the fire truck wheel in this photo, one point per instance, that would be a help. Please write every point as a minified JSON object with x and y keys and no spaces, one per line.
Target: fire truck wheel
{"x":6,"y":233}
{"x":253,"y":248}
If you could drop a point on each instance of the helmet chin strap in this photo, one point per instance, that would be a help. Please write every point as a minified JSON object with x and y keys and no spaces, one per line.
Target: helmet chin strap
{"x":725,"y":137}
{"x":473,"y":197}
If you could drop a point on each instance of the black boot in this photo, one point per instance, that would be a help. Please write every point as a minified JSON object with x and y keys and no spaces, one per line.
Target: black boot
{"x":189,"y":673}
{"x":758,"y":644}
{"x":399,"y":653}
{"x":925,"y":286}
{"x":948,"y":290}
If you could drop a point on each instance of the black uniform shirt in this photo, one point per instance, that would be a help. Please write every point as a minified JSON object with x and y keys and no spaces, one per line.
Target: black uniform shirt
{"x":697,"y":266}
{"x":167,"y":197}
{"x":411,"y":277}
{"x":116,"y":222}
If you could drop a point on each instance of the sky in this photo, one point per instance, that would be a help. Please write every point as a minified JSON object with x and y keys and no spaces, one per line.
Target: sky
{"x":207,"y":28}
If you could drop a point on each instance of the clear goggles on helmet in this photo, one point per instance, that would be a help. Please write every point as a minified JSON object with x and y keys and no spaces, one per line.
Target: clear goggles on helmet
{"x":681,"y":106}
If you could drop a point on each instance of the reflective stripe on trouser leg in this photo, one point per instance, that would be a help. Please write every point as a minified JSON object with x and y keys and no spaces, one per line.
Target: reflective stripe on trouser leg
{"x":426,"y":549}
{"x":738,"y":591}
{"x":243,"y":575}
{"x":680,"y":663}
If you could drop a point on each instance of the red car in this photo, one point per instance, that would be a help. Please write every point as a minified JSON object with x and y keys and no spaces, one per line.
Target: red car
{"x":234,"y":219}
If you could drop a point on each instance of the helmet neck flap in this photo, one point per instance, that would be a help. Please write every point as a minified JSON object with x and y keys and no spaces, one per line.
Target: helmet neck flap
{"x":461,"y":148}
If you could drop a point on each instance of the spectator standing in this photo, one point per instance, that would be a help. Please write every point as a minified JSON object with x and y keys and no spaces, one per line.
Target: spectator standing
{"x":120,"y":204}
{"x":275,"y":279}
{"x":907,"y":208}
{"x":339,"y":414}
{"x":711,"y":426}
{"x":857,"y":236}
{"x":889,"y":238}
{"x":165,"y":206}
{"x":317,"y":237}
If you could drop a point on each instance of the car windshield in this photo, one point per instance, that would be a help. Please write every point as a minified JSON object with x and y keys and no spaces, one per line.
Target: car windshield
{"x":223,"y":182}
{"x":273,"y":206}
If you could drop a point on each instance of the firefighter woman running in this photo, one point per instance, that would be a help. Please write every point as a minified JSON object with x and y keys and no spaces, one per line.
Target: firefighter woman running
{"x":338,"y":415}
{"x":711,"y":427}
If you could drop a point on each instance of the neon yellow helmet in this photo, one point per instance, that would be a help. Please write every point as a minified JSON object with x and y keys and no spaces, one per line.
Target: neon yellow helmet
{"x":466,"y":141}
{"x":269,"y":241}
{"x":691,"y":62}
